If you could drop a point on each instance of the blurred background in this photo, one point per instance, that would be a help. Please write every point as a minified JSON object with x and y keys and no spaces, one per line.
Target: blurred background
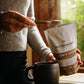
{"x":73,"y":11}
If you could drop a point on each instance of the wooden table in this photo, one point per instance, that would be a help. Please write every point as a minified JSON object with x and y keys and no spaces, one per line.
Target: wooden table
{"x":77,"y":78}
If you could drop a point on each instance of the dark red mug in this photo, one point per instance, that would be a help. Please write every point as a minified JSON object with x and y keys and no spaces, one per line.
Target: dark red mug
{"x":44,"y":73}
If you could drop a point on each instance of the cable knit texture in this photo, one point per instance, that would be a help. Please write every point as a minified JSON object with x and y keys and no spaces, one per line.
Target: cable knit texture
{"x":18,"y":41}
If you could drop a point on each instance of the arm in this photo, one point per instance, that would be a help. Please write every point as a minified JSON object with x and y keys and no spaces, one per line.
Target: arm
{"x":36,"y":42}
{"x":34,"y":38}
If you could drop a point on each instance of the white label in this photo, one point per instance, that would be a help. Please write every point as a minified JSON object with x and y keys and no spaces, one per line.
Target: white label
{"x":67,"y":62}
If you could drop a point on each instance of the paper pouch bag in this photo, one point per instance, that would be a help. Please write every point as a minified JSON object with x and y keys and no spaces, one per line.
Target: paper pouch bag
{"x":62,"y":40}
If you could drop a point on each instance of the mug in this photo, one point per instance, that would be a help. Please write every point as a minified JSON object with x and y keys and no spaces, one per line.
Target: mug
{"x":44,"y":73}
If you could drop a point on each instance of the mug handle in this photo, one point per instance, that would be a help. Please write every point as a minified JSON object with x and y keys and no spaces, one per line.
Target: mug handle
{"x":27,"y":71}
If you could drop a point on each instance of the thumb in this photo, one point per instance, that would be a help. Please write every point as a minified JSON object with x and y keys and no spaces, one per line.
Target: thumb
{"x":50,"y":58}
{"x":30,"y":18}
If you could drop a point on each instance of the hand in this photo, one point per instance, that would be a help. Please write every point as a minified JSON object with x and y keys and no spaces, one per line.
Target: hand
{"x":50,"y":58}
{"x":13,"y":21}
{"x":78,"y":57}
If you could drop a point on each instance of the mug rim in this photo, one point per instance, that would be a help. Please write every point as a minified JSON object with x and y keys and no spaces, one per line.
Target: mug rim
{"x":46,"y":63}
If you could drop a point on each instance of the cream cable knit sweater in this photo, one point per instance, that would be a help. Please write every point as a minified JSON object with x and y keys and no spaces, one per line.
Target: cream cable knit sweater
{"x":18,"y":41}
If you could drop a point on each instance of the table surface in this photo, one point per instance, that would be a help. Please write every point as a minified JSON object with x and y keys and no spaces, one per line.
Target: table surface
{"x":77,"y":78}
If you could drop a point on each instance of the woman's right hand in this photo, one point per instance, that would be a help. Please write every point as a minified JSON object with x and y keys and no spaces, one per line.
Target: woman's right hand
{"x":13,"y":21}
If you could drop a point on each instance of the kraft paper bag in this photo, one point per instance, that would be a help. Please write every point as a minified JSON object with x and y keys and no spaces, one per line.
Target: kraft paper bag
{"x":62,"y":40}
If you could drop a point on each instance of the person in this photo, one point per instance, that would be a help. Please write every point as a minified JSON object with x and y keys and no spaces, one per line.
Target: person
{"x":17,"y":28}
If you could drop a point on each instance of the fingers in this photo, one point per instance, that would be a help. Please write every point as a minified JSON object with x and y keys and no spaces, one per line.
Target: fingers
{"x":23,"y":19}
{"x":51,"y":58}
{"x":78,"y":51}
{"x":11,"y":28}
{"x":17,"y":23}
{"x":79,"y":60}
{"x":78,"y":57}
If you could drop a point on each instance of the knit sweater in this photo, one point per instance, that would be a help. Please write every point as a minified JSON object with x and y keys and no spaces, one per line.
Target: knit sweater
{"x":18,"y":41}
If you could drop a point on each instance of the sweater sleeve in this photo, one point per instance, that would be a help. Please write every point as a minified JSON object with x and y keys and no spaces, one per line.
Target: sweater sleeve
{"x":34,"y":38}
